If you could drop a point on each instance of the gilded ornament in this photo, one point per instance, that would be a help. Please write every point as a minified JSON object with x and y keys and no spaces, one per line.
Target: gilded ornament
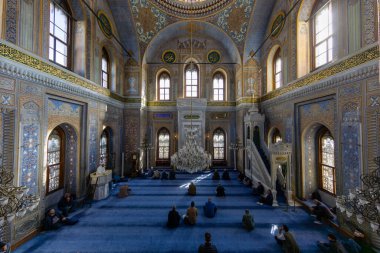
{"x":169,"y":56}
{"x":104,"y":24}
{"x":277,"y":24}
{"x":213,"y":56}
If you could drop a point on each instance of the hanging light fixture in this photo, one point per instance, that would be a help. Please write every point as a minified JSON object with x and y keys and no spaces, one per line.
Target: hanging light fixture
{"x":191,"y":157}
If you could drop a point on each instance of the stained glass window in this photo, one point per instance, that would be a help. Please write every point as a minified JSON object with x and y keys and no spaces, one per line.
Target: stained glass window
{"x":105,"y":69}
{"x":54,"y":161}
{"x":104,"y":142}
{"x":191,"y":81}
{"x":327,"y":162}
{"x":323,"y":41}
{"x":218,"y":87}
{"x":59,"y":35}
{"x":164,"y":86}
{"x":163,"y":144}
{"x":277,"y":70}
{"x":219,"y":144}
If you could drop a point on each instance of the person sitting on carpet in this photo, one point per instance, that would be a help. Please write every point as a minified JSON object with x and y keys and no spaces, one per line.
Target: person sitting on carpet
{"x":55,"y":220}
{"x":172,"y":175}
{"x":164,"y":175}
{"x":207,"y":247}
{"x":241,"y":176}
{"x":226,"y":175}
{"x":248,"y":222}
{"x":247,"y":181}
{"x":332,"y":246}
{"x":156,"y":175}
{"x":316,"y":195}
{"x":66,"y":205}
{"x":149,"y":173}
{"x":321,"y":211}
{"x":267,"y":199}
{"x":4,"y":247}
{"x":286,"y":240}
{"x":192,"y":190}
{"x":215,"y":176}
{"x":220,"y":191}
{"x":190,"y":218}
{"x":209,"y":209}
{"x":259,"y":190}
{"x":173,"y":218}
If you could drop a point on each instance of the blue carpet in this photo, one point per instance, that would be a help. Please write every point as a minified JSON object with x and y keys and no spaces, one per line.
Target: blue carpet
{"x":137,"y":223}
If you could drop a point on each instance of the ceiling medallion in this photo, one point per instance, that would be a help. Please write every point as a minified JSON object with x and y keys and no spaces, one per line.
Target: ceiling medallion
{"x":168,"y":56}
{"x":277,"y":24}
{"x":213,"y":56}
{"x":190,"y":9}
{"x":104,"y":24}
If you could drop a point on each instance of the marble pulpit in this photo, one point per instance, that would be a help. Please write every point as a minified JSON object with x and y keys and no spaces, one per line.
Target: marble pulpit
{"x":101,"y":178}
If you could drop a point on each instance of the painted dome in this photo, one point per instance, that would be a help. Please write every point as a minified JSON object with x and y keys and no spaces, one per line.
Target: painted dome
{"x":192,"y":8}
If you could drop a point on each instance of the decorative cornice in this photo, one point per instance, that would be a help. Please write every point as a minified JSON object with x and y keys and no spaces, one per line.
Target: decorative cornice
{"x":161,"y":103}
{"x":247,"y":100}
{"x":218,"y":103}
{"x":353,"y":61}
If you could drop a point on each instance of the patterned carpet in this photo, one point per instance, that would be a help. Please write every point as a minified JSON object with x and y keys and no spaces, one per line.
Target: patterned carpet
{"x":137,"y":223}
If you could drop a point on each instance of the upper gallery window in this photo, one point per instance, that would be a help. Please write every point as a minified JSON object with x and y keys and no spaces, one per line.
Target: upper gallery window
{"x":191,"y":81}
{"x":277,"y":70}
{"x":55,"y":163}
{"x":59,"y":35}
{"x":323,"y":31}
{"x":163,"y":144}
{"x":327,"y":162}
{"x":218,"y":87}
{"x":105,"y":69}
{"x":164,"y":86}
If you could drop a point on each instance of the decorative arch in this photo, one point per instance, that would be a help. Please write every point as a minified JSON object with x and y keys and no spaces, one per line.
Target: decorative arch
{"x":163,"y":147}
{"x":219,"y":146}
{"x":310,"y":145}
{"x":271,"y":67}
{"x":106,"y":154}
{"x":68,"y":159}
{"x":274,"y":135}
{"x":163,"y":85}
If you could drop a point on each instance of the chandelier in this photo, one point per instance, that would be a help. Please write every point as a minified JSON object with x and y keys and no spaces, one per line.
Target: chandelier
{"x":14,"y":200}
{"x":191,"y":157}
{"x":364,"y":204}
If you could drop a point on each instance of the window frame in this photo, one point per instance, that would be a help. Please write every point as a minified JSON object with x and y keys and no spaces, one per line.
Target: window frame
{"x":105,"y":56}
{"x":186,"y":83}
{"x":159,"y":159}
{"x":316,"y":10}
{"x":166,"y":90}
{"x":107,"y":148}
{"x":62,"y":136}
{"x":216,"y":131}
{"x":322,"y":133}
{"x":276,"y":57}
{"x":223,"y":78}
{"x":65,"y":9}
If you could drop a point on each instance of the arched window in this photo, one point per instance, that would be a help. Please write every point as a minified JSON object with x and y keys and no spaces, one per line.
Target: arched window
{"x":55,"y":160}
{"x":218,"y":140}
{"x":276,"y":136}
{"x":218,"y":87}
{"x":105,"y":69}
{"x":163,"y":144}
{"x":59,"y":39}
{"x":277,"y":70}
{"x":326,"y":161}
{"x":191,"y":81}
{"x":104,"y":148}
{"x":164,"y":86}
{"x":322,"y":35}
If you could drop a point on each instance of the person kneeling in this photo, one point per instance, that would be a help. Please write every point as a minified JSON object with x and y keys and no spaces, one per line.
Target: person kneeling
{"x":209,"y":209}
{"x":173,"y":218}
{"x":248,"y":222}
{"x":66,"y":205}
{"x":220,"y":191}
{"x":54,"y":220}
{"x":192,"y":191}
{"x":267,"y":199}
{"x":215,"y":176}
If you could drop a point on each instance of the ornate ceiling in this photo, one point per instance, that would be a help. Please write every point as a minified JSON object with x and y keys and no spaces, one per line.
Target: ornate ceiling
{"x":151,"y":17}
